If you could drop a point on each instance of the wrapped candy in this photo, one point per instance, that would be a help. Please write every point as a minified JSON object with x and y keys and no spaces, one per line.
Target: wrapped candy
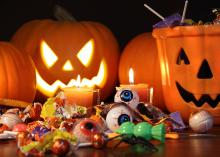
{"x":170,"y":21}
{"x":217,"y":13}
{"x":60,"y":147}
{"x":144,"y":130}
{"x":40,"y":131}
{"x":57,"y":107}
{"x":50,"y":141}
{"x":10,"y":119}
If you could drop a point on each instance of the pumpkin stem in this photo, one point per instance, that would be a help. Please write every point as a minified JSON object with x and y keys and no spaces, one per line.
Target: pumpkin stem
{"x":61,"y":14}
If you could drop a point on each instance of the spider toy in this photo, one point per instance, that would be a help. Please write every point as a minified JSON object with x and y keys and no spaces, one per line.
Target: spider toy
{"x":133,"y":140}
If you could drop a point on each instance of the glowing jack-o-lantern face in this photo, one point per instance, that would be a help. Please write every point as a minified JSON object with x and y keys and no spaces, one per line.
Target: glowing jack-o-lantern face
{"x":65,"y":50}
{"x":67,"y":70}
{"x":189,"y":59}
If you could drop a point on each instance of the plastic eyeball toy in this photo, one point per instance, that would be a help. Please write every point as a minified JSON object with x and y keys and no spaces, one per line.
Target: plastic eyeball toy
{"x":85,"y":130}
{"x":118,"y":115}
{"x":127,"y":96}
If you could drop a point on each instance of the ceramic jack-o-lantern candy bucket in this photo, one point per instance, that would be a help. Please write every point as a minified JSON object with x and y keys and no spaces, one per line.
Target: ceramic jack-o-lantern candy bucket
{"x":190,"y":68}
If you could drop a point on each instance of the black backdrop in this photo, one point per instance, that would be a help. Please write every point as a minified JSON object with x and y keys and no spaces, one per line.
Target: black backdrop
{"x":126,"y":18}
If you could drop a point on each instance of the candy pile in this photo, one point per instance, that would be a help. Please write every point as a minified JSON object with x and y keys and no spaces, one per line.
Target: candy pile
{"x":60,"y":128}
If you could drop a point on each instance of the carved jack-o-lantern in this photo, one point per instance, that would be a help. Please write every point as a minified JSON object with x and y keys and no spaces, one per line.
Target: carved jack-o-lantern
{"x":63,"y":50}
{"x":189,"y":59}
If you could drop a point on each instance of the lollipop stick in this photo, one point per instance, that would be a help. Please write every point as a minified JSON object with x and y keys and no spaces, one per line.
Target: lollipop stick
{"x":153,"y":11}
{"x":184,"y":11}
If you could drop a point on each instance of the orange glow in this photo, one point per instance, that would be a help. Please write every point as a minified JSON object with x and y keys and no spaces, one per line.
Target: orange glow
{"x":49,"y":90}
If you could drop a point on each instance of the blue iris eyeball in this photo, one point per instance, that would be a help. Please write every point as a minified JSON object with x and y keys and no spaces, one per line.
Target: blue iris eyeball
{"x":118,"y":115}
{"x":126,"y":95}
{"x":123,"y":118}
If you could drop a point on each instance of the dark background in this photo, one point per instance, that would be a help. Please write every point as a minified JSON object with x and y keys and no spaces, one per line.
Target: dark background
{"x":126,"y":18}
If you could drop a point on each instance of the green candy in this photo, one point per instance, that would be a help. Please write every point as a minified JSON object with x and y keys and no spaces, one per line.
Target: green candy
{"x":143,"y":129}
{"x":126,"y":128}
{"x":158,"y":132}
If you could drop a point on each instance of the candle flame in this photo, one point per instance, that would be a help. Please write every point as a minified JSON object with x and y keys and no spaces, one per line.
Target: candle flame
{"x":131,"y":76}
{"x":78,"y":81}
{"x":151,"y":95}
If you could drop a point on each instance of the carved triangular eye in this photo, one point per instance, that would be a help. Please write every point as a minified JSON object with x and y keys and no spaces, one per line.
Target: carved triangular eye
{"x":47,"y":54}
{"x":182,"y":57}
{"x":86,"y":53}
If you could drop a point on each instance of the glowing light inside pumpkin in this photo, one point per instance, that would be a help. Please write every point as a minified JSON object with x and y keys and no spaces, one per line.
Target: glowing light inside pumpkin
{"x":49,"y":90}
{"x":47,"y":54}
{"x":67,"y":66}
{"x":86,"y":52}
{"x":131,"y":76}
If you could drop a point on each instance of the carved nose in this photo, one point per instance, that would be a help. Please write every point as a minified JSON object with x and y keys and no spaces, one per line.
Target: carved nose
{"x":205,"y":71}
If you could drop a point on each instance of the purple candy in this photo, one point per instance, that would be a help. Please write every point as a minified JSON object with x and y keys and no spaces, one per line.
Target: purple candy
{"x":173,"y":20}
{"x":40,"y":130}
{"x":177,"y":118}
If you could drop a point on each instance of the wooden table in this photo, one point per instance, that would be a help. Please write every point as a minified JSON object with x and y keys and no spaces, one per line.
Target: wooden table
{"x":185,"y":146}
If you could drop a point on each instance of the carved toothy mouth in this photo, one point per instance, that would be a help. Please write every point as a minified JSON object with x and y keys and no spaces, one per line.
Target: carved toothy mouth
{"x":205,"y":98}
{"x":50,"y":89}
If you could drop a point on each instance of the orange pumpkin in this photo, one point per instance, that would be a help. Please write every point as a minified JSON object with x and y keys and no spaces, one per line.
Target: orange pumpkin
{"x":189,"y":59}
{"x":63,"y":50}
{"x":17,"y":73}
{"x":140,"y":54}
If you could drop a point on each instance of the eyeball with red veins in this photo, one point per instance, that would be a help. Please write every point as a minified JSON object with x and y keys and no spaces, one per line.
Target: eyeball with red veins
{"x":85,"y":130}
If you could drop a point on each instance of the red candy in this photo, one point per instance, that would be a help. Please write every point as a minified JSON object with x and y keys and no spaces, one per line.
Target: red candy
{"x":98,"y":141}
{"x":60,"y":147}
{"x":20,"y":127}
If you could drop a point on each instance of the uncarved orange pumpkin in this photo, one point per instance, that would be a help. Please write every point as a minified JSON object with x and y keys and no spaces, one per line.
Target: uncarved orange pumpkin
{"x":62,"y":50}
{"x":140,"y":54}
{"x":17,"y":73}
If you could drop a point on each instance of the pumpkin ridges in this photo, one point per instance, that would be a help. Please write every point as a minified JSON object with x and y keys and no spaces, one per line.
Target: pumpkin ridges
{"x":12,"y":72}
{"x":16,"y":81}
{"x":33,"y":28}
{"x":20,"y":62}
{"x":3,"y":80}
